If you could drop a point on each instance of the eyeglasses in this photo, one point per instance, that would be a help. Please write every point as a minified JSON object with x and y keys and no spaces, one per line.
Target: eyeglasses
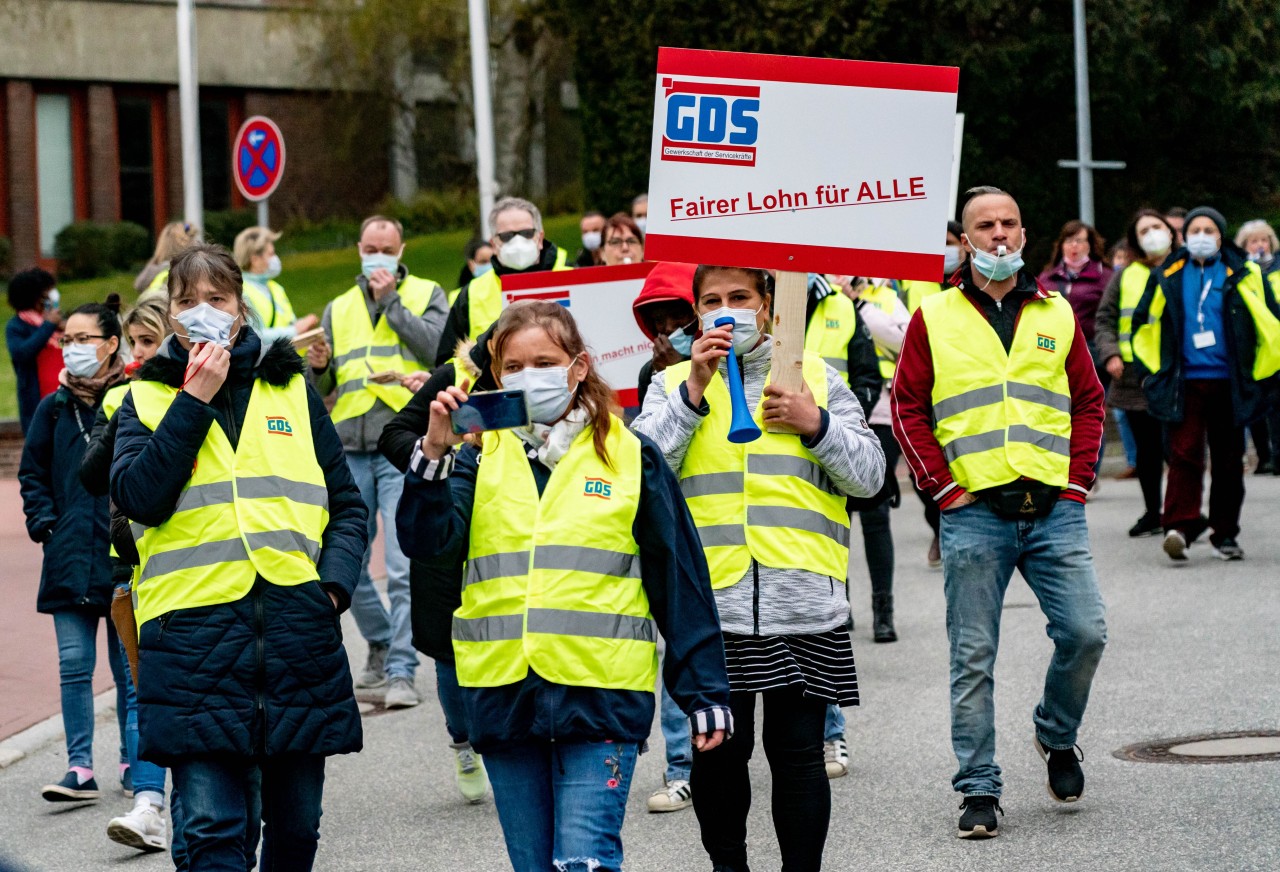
{"x":622,"y":243}
{"x":65,"y":340}
{"x":508,"y":235}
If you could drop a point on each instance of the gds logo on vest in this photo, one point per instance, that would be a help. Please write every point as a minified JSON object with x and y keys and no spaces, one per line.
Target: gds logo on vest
{"x":279,"y":425}
{"x":1046,"y":343}
{"x":711,"y":122}
{"x":599,"y":488}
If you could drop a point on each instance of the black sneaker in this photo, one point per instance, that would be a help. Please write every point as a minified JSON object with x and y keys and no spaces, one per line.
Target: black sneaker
{"x":1066,"y":778}
{"x":70,"y":789}
{"x":979,"y":818}
{"x":1148,"y":525}
{"x":1228,"y":549}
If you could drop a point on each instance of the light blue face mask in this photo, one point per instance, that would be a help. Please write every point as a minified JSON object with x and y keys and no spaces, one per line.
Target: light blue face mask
{"x":682,"y":342}
{"x":204,"y":323}
{"x":371,"y":262}
{"x":746,"y":333}
{"x":481,"y":269}
{"x":81,"y":359}
{"x":999,"y":266}
{"x":1202,"y":246}
{"x":546,"y":391}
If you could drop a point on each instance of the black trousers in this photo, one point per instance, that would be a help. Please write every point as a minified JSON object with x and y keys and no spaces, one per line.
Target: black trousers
{"x":1148,"y":437}
{"x":877,"y":537}
{"x":793,"y":729}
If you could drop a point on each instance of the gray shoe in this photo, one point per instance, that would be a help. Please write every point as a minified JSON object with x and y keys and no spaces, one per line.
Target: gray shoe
{"x":375,"y":668}
{"x":401,"y":694}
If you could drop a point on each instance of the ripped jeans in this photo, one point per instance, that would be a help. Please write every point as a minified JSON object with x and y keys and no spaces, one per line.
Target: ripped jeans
{"x":561,"y":805}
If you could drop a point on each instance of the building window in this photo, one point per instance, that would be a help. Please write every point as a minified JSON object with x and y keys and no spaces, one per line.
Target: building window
{"x":137,"y":161}
{"x":215,"y":153}
{"x":55,"y":167}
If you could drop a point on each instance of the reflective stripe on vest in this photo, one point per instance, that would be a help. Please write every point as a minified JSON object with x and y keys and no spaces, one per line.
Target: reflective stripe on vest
{"x":360,"y":350}
{"x":884,"y":299}
{"x":533,"y":596}
{"x":113,"y":399}
{"x":1133,"y":283}
{"x":258,"y":510}
{"x":768,"y":500}
{"x":1001,"y":416}
{"x":484,"y":297}
{"x":269,"y":303}
{"x":831,"y":328}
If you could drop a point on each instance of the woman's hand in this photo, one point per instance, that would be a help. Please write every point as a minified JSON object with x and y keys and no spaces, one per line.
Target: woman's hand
{"x":440,"y":437}
{"x":1115,"y":366}
{"x":708,"y":741}
{"x":797,"y":411}
{"x":206,"y":371}
{"x":708,"y":349}
{"x":415,"y":380}
{"x":305,"y":323}
{"x":318,"y":355}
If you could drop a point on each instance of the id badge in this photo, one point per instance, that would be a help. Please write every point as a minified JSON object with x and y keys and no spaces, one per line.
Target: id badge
{"x":1204,"y":339}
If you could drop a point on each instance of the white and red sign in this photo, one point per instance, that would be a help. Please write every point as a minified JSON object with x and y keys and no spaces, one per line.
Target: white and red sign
{"x":801,"y":164}
{"x":257,"y":158}
{"x":600,"y":300}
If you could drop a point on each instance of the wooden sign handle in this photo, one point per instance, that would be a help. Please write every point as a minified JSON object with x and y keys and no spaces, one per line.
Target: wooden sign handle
{"x":790,"y":296}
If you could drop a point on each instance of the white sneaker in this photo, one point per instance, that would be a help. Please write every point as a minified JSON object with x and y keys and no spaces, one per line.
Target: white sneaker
{"x":401,"y":694}
{"x":676,"y":795}
{"x":473,"y":781}
{"x":837,"y":754}
{"x":143,"y":828}
{"x":1175,"y":545}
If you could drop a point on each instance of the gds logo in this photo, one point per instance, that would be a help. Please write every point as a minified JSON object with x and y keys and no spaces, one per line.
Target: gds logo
{"x":599,"y":488}
{"x":711,"y":122}
{"x":1046,"y":343}
{"x":278,"y":425}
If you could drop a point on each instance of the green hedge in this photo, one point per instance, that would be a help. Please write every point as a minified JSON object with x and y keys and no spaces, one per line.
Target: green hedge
{"x":6,"y":258}
{"x":88,"y":249}
{"x":222,"y":227}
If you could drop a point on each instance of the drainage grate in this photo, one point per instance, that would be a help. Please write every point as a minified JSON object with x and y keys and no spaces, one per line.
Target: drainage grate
{"x":1245,"y":746}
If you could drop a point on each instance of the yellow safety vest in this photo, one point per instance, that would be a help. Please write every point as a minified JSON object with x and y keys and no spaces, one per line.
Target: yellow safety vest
{"x":360,"y":349}
{"x":884,"y":299}
{"x":1133,"y":283}
{"x":1252,"y":289}
{"x":831,"y":329}
{"x":484,"y":297}
{"x":260,"y":509}
{"x":915,"y":292}
{"x":1001,"y":416}
{"x":271,"y":303}
{"x":534,"y":595}
{"x":769,"y":500}
{"x":113,"y":399}
{"x":160,"y":282}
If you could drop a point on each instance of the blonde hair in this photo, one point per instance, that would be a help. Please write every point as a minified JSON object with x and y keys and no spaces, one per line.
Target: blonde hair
{"x":250,"y":243}
{"x":150,"y":315}
{"x":1257,"y":227}
{"x":172,"y":239}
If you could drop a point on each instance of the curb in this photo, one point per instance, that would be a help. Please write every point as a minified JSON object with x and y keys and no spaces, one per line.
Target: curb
{"x":33,"y":738}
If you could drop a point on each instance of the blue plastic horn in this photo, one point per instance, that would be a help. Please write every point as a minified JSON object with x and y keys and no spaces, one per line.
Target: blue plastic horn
{"x":742,"y":428}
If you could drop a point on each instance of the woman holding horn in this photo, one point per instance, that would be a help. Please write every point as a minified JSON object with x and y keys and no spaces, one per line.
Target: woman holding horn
{"x":772,"y":520}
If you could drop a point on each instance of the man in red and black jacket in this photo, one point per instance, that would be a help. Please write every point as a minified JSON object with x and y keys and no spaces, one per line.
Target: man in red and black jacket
{"x":999,"y":413}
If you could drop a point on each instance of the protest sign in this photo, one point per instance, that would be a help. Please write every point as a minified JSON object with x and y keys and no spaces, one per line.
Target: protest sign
{"x":600,"y":300}
{"x":801,"y":164}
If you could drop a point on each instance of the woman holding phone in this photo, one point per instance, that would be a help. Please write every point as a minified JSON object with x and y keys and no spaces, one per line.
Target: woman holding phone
{"x":555,"y":638}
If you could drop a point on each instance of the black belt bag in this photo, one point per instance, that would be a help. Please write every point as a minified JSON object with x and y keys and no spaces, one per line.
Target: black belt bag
{"x":1021,"y":500}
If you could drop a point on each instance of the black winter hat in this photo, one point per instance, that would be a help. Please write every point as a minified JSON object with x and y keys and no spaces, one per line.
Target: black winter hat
{"x":1212,"y":214}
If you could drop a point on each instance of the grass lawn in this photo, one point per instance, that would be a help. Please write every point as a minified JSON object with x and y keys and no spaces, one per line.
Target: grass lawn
{"x":311,"y":279}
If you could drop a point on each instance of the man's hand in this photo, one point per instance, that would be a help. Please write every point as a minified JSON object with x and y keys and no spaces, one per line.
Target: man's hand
{"x":1115,"y":366}
{"x":708,"y":741}
{"x":53,"y":316}
{"x":381,"y":283}
{"x":318,"y":355}
{"x":440,"y":437}
{"x":965,"y":499}
{"x":664,"y":353}
{"x":796,"y":411}
{"x":707,"y":351}
{"x":206,"y":371}
{"x":415,"y":380}
{"x":305,"y":323}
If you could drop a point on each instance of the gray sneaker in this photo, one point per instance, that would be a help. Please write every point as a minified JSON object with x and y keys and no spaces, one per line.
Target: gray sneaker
{"x":375,"y":668}
{"x":401,"y":694}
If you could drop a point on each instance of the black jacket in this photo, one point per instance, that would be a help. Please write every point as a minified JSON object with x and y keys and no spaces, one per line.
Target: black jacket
{"x":1165,"y":391}
{"x":458,"y":327}
{"x":70,"y":522}
{"x":435,"y":586}
{"x":266,"y":674}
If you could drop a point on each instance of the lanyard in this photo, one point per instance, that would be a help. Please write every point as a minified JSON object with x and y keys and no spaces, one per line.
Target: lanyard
{"x":75,"y":411}
{"x":1204,"y":295}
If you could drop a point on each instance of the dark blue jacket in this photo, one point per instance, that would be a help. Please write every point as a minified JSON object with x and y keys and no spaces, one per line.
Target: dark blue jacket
{"x":71,"y":523}
{"x":267,"y":674}
{"x":1165,"y":392}
{"x":433,"y":523}
{"x":25,"y":344}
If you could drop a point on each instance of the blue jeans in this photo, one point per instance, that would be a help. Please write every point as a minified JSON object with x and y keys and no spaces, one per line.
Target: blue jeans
{"x":222,"y":799}
{"x":77,"y":632}
{"x":676,"y":738}
{"x":1126,"y":437}
{"x":146,"y":776}
{"x":561,"y":805}
{"x":834,"y":727}
{"x":980,"y":551}
{"x":451,"y":703}
{"x":380,"y":484}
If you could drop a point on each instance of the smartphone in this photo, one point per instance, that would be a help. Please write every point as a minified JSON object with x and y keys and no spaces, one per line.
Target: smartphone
{"x":490,"y":410}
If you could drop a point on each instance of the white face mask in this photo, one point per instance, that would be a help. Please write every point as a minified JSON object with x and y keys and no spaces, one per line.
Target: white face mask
{"x":546,"y":391}
{"x":745,"y":331}
{"x":591,"y":240}
{"x":1156,"y":241}
{"x":81,"y":359}
{"x":641,"y":222}
{"x":204,"y":323}
{"x":1202,"y":245}
{"x":950,"y":259}
{"x":518,"y":253}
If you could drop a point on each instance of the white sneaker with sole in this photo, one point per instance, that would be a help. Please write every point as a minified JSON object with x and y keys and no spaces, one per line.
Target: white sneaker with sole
{"x":676,"y":795}
{"x":143,"y":828}
{"x":1175,"y":545}
{"x":473,"y":781}
{"x":837,"y":755}
{"x":401,"y":694}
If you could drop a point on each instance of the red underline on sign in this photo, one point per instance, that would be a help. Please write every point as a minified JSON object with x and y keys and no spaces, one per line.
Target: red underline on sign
{"x":799,"y":209}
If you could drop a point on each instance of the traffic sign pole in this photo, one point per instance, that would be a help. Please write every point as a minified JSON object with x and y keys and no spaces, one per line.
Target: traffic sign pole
{"x":262,"y":213}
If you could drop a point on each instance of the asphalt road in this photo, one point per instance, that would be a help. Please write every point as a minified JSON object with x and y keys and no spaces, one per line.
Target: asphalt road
{"x":1193,"y":649}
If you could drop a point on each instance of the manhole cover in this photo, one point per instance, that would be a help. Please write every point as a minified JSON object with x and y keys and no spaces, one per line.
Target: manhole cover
{"x":1247,"y":746}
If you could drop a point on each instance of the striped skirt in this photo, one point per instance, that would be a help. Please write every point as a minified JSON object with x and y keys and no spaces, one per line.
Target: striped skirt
{"x":820,"y":663}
